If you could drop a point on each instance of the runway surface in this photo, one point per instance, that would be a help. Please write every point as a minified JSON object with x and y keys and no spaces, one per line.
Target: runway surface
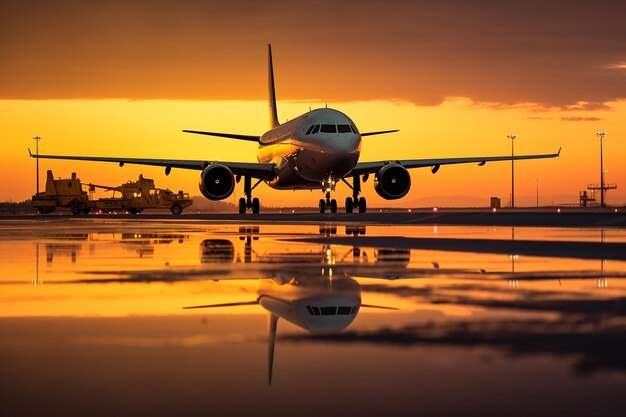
{"x":553,"y":217}
{"x":370,"y":318}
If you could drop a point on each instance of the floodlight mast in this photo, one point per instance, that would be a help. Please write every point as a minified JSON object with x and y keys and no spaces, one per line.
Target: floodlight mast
{"x":512,"y":136}
{"x":601,"y":135}
{"x":37,"y":138}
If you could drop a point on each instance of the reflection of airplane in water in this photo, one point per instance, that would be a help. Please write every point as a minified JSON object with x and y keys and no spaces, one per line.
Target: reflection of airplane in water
{"x":317,"y":303}
{"x":312,"y":290}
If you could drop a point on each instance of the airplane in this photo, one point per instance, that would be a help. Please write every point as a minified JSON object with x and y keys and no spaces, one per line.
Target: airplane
{"x":316,"y":150}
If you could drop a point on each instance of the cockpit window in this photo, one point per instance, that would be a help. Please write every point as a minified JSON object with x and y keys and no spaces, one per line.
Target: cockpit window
{"x":315,"y":129}
{"x":344,"y":311}
{"x":329,"y":129}
{"x":308,"y":132}
{"x":332,"y":310}
{"x":328,"y":311}
{"x":354,"y":129}
{"x":343,"y":128}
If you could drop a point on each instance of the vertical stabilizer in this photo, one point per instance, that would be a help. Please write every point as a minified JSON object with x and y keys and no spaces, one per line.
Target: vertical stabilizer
{"x":272,"y":90}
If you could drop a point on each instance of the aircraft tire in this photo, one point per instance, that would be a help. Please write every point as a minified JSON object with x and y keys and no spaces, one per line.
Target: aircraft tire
{"x":86,"y":210}
{"x":176,"y":209}
{"x":76,"y":209}
{"x":333,"y":206}
{"x":242,"y":205}
{"x":349,"y":205}
{"x":322,"y":206}
{"x":134,"y":211}
{"x":256,"y":206}
{"x":362,"y":205}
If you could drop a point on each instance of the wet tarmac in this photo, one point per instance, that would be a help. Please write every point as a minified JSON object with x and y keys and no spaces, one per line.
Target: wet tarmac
{"x":200,"y":316}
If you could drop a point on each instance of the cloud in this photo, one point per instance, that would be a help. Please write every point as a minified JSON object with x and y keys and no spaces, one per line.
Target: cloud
{"x":581,"y":119}
{"x":504,"y":52}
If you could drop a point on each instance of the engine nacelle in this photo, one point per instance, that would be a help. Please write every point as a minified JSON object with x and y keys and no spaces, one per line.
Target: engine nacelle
{"x":392,"y":181}
{"x":217,"y":182}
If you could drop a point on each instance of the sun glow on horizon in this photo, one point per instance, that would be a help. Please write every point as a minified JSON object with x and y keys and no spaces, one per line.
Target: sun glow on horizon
{"x":457,"y":127}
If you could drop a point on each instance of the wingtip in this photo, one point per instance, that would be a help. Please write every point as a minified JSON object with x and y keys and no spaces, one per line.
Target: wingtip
{"x":30,"y":153}
{"x":559,"y":152}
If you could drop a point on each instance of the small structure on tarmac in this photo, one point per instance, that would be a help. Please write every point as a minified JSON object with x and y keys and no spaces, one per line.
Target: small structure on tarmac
{"x":135,"y":197}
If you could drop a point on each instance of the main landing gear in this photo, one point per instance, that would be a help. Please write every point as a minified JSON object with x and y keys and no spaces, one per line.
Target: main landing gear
{"x":248,"y":202}
{"x":352,"y":203}
{"x":356,"y":202}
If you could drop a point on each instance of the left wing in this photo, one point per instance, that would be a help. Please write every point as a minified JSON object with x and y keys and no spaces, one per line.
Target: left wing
{"x":372,"y":167}
{"x":255,"y":170}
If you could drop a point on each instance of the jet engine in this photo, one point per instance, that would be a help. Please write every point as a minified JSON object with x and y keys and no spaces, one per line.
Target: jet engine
{"x":217,"y":182}
{"x":392,"y":181}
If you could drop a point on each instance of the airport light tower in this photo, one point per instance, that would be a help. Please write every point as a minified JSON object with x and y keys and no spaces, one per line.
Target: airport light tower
{"x":37,"y":138}
{"x":601,"y":135}
{"x":512,"y":136}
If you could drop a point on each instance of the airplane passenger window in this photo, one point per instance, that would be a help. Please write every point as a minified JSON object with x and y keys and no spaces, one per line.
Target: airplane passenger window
{"x":328,"y":311}
{"x":329,"y":129}
{"x":308,"y":132}
{"x":343,"y":128}
{"x":344,"y":311}
{"x":315,"y":129}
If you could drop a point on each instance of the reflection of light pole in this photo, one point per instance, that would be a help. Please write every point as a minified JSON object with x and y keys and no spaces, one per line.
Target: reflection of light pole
{"x":512,"y":136}
{"x":37,"y":138}
{"x":601,"y":135}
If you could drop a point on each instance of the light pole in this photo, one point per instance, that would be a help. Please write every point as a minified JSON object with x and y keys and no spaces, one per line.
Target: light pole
{"x":512,"y":136}
{"x":37,"y":138}
{"x":601,"y":135}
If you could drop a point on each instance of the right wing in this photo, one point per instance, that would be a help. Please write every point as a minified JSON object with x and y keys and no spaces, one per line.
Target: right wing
{"x":253,"y":169}
{"x":371,"y":167}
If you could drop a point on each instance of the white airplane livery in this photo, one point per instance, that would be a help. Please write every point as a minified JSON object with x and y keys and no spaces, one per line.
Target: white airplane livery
{"x":316,"y":150}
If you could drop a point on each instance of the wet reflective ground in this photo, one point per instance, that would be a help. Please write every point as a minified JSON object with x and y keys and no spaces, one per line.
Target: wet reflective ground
{"x":310,"y":320}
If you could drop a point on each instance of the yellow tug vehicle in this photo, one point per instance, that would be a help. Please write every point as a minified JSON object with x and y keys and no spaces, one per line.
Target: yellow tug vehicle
{"x":135,"y":196}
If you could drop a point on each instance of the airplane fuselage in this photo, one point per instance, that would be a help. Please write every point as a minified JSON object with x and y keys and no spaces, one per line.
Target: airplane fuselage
{"x":311,"y":148}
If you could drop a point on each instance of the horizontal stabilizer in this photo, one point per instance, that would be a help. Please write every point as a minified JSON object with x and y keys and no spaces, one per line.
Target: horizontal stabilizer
{"x":225,"y":135}
{"x":380,"y":307}
{"x":244,"y":303}
{"x":382,"y":132}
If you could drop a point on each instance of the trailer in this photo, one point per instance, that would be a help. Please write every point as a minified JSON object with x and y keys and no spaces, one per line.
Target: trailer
{"x":135,"y":196}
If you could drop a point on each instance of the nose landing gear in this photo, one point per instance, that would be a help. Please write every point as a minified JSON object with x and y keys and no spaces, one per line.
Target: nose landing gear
{"x":328,"y":185}
{"x":330,"y":204}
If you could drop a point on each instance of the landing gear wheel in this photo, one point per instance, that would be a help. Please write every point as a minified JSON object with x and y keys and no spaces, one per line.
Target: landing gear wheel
{"x":333,"y":206}
{"x":176,"y":209}
{"x":362,"y":205}
{"x":76,"y":210}
{"x":242,"y":205}
{"x":135,"y":211}
{"x":255,"y":206}
{"x":86,"y":210}
{"x":349,"y":205}
{"x":322,"y":206}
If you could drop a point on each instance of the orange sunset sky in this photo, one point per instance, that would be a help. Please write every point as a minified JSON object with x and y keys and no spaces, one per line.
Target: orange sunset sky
{"x":123,"y":78}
